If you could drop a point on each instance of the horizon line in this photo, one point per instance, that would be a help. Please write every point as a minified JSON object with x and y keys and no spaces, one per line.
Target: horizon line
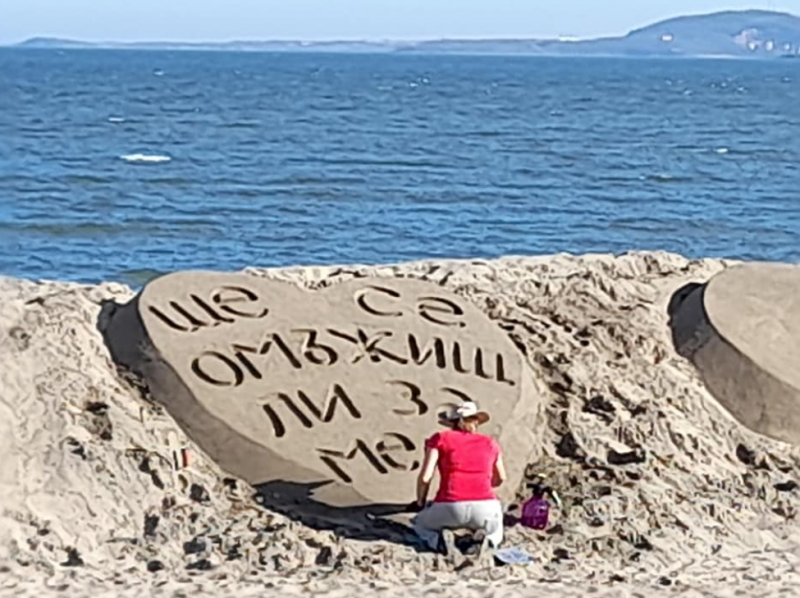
{"x":320,"y":40}
{"x":386,"y":40}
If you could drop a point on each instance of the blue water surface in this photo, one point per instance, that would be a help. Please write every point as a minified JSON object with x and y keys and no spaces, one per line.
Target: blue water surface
{"x":118,"y":165}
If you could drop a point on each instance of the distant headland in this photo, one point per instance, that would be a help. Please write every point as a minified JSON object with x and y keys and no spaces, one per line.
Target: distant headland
{"x":734,"y":34}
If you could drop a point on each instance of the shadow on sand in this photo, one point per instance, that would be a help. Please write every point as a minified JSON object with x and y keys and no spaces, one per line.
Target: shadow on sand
{"x":684,"y":316}
{"x":389,"y":522}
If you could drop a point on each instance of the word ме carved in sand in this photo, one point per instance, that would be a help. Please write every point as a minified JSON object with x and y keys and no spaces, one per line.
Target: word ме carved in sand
{"x":345,"y":383}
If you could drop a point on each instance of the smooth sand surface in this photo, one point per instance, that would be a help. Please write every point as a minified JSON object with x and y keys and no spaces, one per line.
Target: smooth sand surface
{"x":664,"y":492}
{"x":742,"y":331}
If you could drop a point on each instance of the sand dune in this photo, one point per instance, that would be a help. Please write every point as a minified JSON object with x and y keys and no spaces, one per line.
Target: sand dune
{"x":91,"y":501}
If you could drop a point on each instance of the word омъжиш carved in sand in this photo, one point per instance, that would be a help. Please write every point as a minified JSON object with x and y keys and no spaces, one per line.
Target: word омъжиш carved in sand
{"x":339,"y":386}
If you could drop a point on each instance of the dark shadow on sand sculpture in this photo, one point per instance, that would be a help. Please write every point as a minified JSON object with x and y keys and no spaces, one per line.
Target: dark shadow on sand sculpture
{"x":389,"y":522}
{"x":380,"y":521}
{"x":676,"y":301}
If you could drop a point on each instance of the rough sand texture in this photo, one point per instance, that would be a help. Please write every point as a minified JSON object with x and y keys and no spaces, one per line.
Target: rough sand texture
{"x":663,"y":490}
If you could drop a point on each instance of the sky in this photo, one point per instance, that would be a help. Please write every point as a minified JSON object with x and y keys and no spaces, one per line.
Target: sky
{"x":225,"y":20}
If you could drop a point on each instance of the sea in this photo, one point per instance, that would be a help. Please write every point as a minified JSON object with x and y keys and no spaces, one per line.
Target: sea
{"x":120,"y":165}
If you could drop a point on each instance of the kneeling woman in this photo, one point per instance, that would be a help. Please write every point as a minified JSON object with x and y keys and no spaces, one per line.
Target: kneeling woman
{"x":470,"y":467}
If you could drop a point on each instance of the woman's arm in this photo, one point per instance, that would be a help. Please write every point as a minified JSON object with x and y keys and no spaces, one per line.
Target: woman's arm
{"x":498,"y":472}
{"x":426,"y":475}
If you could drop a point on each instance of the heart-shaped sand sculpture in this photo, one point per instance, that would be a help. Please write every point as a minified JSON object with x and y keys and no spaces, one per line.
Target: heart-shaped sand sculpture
{"x":329,"y":392}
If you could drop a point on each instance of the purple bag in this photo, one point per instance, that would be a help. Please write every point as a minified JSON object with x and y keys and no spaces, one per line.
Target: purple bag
{"x":535,"y":513}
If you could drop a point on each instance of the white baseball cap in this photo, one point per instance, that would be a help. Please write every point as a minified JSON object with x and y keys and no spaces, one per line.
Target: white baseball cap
{"x":465,"y":410}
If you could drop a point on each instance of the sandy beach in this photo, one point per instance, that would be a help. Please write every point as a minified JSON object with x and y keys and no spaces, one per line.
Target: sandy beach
{"x":94,"y":500}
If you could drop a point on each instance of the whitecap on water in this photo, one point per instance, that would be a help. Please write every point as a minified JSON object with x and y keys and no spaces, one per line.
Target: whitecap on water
{"x":722,"y":150}
{"x":658,"y":178}
{"x":116,"y":119}
{"x":152,"y":158}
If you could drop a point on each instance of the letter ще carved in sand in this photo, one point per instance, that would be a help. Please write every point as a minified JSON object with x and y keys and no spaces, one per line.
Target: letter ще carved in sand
{"x":343,"y":383}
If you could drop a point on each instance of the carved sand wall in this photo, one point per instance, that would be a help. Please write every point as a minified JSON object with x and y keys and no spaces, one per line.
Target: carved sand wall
{"x":332,"y":392}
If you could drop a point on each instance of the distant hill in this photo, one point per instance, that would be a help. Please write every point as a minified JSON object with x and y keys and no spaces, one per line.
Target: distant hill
{"x":747,"y":34}
{"x":732,"y":33}
{"x":53,"y":42}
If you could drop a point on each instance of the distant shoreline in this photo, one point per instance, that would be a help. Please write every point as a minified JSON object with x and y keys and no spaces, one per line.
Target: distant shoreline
{"x":465,"y":53}
{"x":748,"y":34}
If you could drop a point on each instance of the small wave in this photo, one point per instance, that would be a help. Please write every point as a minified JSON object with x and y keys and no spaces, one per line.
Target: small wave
{"x":116,"y":119}
{"x":722,"y":150}
{"x":150,"y":158}
{"x":377,"y":162}
{"x":492,"y":133}
{"x":68,"y":230}
{"x":85,"y":179}
{"x":172,"y":181}
{"x":665,"y":178}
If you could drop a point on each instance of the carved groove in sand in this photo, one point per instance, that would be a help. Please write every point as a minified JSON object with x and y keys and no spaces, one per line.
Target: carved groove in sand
{"x":339,"y":386}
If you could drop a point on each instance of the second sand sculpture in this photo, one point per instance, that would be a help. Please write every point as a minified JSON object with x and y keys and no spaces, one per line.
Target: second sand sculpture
{"x":741,"y":330}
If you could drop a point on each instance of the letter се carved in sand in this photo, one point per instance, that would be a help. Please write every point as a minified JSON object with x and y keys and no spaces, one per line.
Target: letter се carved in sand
{"x":335,"y":389}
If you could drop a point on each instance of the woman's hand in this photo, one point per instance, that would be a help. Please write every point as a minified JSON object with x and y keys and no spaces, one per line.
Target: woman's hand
{"x":415,"y":507}
{"x":498,"y":472}
{"x":426,"y":475}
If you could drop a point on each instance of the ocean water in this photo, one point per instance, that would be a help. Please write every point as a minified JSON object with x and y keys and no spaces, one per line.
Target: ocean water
{"x":118,"y":165}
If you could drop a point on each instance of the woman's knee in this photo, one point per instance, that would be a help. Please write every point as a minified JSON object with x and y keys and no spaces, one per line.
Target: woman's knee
{"x":492,"y":519}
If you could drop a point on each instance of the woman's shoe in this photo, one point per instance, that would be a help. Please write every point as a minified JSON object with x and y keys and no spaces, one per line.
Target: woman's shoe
{"x":447,"y":543}
{"x":479,"y":544}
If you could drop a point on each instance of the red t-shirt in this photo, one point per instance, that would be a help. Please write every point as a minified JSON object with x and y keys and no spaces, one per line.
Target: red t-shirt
{"x":466,"y":463}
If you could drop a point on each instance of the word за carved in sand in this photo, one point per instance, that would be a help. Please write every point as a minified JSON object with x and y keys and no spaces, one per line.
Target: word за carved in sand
{"x":345,"y":382}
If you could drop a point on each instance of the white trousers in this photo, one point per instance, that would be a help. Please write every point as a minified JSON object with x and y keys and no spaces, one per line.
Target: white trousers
{"x":469,"y":514}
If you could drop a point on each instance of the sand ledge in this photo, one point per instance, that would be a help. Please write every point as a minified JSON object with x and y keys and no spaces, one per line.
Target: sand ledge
{"x":90,"y":497}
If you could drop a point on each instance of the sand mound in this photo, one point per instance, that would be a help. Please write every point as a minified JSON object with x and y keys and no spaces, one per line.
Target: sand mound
{"x":661,"y":485}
